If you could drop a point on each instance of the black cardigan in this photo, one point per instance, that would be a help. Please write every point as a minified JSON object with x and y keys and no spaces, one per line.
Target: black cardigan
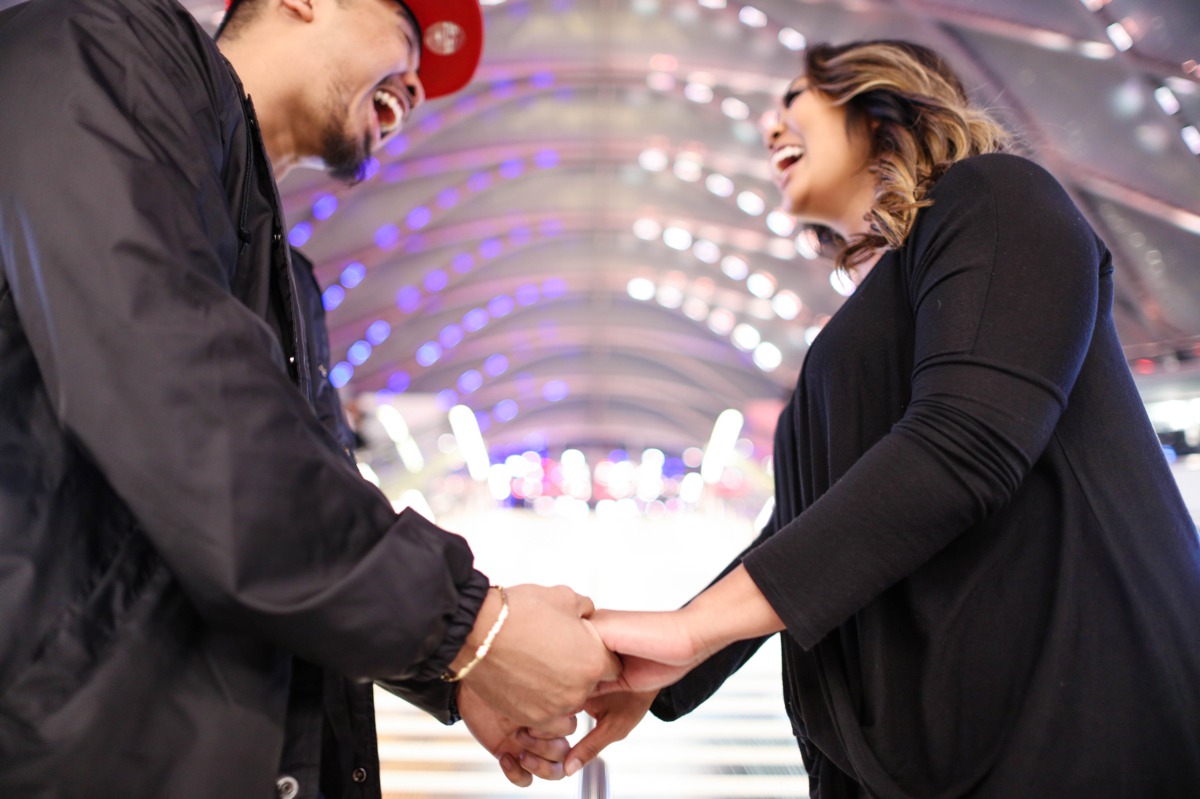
{"x":990,"y":583}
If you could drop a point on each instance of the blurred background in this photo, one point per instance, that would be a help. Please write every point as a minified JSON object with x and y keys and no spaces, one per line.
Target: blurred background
{"x":565,"y":315}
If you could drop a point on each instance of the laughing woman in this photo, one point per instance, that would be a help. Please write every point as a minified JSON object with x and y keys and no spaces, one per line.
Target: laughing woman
{"x":987,"y":582}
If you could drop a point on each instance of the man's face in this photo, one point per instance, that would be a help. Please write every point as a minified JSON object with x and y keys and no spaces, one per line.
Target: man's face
{"x":372,"y":86}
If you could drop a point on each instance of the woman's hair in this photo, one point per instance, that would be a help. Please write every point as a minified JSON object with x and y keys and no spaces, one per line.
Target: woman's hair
{"x":916,"y":112}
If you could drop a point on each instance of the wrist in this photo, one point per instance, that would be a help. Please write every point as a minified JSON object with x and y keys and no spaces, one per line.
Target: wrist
{"x":488,"y":622}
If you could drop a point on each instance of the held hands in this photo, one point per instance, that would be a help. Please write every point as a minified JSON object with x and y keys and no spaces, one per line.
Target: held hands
{"x":523,"y":753}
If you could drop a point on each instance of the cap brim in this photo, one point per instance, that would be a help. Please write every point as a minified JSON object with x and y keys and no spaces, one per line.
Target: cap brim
{"x":451,"y":43}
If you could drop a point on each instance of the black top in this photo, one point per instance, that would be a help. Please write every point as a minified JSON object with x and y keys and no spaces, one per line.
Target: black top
{"x":990,"y":583}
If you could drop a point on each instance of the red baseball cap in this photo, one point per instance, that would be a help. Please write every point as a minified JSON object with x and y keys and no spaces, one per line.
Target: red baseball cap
{"x":451,"y":34}
{"x":451,"y":43}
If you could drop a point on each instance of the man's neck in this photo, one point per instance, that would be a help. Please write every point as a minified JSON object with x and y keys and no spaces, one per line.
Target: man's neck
{"x":266,"y":84}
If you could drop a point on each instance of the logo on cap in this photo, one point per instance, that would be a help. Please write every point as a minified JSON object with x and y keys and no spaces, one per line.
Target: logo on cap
{"x":444,"y":38}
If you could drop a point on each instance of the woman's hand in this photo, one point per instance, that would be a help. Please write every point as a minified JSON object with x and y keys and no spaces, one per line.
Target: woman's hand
{"x":616,"y":714}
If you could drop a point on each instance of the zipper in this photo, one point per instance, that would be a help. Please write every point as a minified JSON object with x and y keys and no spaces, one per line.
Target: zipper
{"x":243,"y":222}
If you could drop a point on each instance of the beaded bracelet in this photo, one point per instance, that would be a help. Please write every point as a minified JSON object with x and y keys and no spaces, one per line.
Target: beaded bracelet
{"x":487,"y":641}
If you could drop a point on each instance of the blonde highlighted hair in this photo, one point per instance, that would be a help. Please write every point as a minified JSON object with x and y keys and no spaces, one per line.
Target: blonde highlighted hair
{"x":913,"y":107}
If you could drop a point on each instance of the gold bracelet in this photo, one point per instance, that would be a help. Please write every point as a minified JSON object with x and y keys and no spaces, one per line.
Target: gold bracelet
{"x":487,"y":641}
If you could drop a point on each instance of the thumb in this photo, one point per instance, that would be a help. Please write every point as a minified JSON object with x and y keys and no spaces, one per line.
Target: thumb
{"x":591,"y":745}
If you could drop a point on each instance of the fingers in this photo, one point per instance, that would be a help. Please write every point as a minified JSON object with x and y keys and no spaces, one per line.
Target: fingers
{"x":590,"y":747}
{"x":557,"y":728}
{"x":513,"y":771}
{"x":553,"y":749}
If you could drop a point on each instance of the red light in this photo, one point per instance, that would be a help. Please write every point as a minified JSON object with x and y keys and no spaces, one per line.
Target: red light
{"x":1144,"y":366}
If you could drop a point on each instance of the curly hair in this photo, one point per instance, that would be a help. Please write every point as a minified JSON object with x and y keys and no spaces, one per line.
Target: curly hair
{"x":919,"y":119}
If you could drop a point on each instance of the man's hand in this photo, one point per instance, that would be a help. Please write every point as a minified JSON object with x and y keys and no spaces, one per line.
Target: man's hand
{"x":546,"y":660}
{"x":523,"y":753}
{"x":616,"y":714}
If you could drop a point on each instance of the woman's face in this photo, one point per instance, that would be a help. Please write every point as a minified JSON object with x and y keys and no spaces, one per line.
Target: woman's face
{"x":821,"y":168}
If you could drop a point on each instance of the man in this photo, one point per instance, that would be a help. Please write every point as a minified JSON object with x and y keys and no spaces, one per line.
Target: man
{"x":175,"y":523}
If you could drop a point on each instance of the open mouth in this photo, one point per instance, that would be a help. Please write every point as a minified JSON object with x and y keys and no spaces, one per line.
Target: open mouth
{"x":785,"y":158}
{"x":389,"y":110}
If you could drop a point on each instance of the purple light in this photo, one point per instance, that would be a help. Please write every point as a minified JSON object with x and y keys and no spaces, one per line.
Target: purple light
{"x":353,"y":274}
{"x":484,"y":419}
{"x":408,"y":299}
{"x":475,"y":319}
{"x":300,"y":234}
{"x":468,"y":103}
{"x":479,"y":181}
{"x":448,"y":198}
{"x":618,"y":455}
{"x":546,"y":159}
{"x":542,"y":80}
{"x":399,"y":382}
{"x":552,"y":227}
{"x":503,"y":88}
{"x":340,"y":375}
{"x":463,"y":262}
{"x":429,"y":353}
{"x":358,"y":353}
{"x":333,"y":296}
{"x":371,"y":168}
{"x":505,"y":410}
{"x":378,"y":332}
{"x":431,"y":123}
{"x":535,"y":442}
{"x":436,"y":280}
{"x":501,"y":306}
{"x":397,"y":145}
{"x":674,"y":467}
{"x":553,"y":288}
{"x":387,"y":237}
{"x":526,"y":294}
{"x":451,"y":336}
{"x":490,"y":248}
{"x":325,"y":206}
{"x":470,"y":381}
{"x":496,"y":365}
{"x":520,"y":236}
{"x":446,"y":399}
{"x":418,"y":217}
{"x":511,"y":168}
{"x":555,"y":391}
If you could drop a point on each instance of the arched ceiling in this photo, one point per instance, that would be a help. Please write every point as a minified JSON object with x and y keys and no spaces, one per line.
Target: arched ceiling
{"x":594,"y":208}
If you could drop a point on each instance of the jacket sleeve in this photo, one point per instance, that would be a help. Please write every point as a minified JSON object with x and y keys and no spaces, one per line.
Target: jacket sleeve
{"x":1004,"y":285}
{"x":115,"y":240}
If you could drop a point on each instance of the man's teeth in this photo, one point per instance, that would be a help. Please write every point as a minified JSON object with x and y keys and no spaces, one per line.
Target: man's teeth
{"x":786,"y":156}
{"x":384,"y":97}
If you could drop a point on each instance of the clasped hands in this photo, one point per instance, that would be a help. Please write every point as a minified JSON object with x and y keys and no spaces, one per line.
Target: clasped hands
{"x":556,"y":656}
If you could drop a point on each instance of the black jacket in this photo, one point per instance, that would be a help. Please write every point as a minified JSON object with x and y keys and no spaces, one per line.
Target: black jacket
{"x":175,"y":522}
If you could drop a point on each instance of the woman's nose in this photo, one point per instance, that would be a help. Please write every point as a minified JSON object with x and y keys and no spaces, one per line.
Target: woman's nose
{"x":771,"y":126}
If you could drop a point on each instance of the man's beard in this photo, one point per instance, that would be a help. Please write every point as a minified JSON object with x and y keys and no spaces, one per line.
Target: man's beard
{"x":345,"y":159}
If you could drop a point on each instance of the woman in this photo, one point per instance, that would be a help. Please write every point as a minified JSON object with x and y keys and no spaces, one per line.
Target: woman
{"x":989,"y":583}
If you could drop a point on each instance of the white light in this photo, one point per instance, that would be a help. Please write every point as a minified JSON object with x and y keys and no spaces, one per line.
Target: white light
{"x":719,"y":185}
{"x":1094,"y":5}
{"x":713,"y":3}
{"x":780,"y":223}
{"x":677,"y":238}
{"x":767,"y":357}
{"x":491,"y":2}
{"x":669,"y":297}
{"x":1119,"y":36}
{"x":698,"y":93}
{"x":690,"y":487}
{"x":751,"y":203}
{"x":783,"y":249}
{"x":735,"y":267}
{"x":707,"y":251}
{"x":1166,"y":100}
{"x":695,"y":309}
{"x":1191,"y":137}
{"x":746,"y":337}
{"x":368,"y":474}
{"x":412,"y":498}
{"x":764,"y":516}
{"x":641,"y":288}
{"x":734,"y":108}
{"x":811,"y":333}
{"x":686,"y":169}
{"x":752,"y":17}
{"x":721,"y":321}
{"x":470,"y":441}
{"x":410,"y":455}
{"x":761,"y":284}
{"x":653,"y":160}
{"x":724,"y":437}
{"x":841,"y":282}
{"x":647,"y":229}
{"x":786,"y":305}
{"x":808,"y":245}
{"x":393,"y":423}
{"x":792,"y":39}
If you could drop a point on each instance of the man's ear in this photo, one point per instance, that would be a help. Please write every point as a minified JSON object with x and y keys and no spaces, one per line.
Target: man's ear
{"x":301,"y":9}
